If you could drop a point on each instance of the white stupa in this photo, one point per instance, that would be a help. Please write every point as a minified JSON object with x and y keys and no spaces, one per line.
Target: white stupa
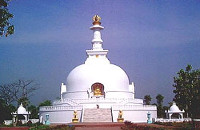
{"x":174,"y":109}
{"x":97,"y":90}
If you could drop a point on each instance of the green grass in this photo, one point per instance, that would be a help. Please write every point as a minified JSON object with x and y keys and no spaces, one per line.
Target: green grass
{"x":39,"y":127}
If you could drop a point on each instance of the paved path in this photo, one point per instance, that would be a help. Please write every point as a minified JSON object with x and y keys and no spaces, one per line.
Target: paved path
{"x":112,"y":126}
{"x":98,"y":126}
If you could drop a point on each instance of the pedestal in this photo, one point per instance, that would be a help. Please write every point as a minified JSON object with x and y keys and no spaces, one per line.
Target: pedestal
{"x":120,"y":119}
{"x":47,"y":122}
{"x":75,"y":120}
{"x":196,"y":123}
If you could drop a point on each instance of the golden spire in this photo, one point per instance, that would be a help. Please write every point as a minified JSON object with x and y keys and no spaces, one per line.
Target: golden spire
{"x":96,"y":20}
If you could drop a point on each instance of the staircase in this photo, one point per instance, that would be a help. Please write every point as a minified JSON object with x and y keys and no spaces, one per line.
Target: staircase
{"x":97,"y":115}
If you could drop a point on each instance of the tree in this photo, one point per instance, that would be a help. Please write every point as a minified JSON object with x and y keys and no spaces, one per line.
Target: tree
{"x":159,"y":99}
{"x":45,"y":103}
{"x":34,"y":112}
{"x":5,"y":111}
{"x":5,"y":27}
{"x":187,"y":91}
{"x":24,"y":100}
{"x":160,"y":110}
{"x":18,"y":92}
{"x":147,"y":99}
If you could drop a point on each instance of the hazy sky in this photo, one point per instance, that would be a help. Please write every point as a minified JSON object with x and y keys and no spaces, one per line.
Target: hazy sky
{"x":150,"y":40}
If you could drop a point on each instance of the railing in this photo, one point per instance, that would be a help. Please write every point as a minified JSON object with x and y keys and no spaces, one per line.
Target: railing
{"x":134,"y":107}
{"x":82,"y":114}
{"x":112,"y":114}
{"x":107,"y":100}
{"x":77,"y":102}
{"x":53,"y":108}
{"x":9,"y":122}
{"x":172,"y":120}
{"x":135,"y":101}
{"x":66,"y":100}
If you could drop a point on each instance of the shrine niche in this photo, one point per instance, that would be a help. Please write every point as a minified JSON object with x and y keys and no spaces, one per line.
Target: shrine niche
{"x":98,"y":89}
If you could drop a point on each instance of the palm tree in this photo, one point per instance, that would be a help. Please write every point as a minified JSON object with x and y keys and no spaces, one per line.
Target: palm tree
{"x":147,"y":99}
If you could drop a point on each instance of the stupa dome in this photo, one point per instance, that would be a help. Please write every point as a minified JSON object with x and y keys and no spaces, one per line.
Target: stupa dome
{"x":84,"y":76}
{"x":21,"y":110}
{"x":174,"y":108}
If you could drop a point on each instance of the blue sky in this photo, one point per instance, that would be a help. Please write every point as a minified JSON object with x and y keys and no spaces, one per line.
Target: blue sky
{"x":150,"y":40}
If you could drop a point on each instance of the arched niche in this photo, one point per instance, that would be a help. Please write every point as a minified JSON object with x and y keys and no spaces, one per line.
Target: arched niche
{"x":98,"y":89}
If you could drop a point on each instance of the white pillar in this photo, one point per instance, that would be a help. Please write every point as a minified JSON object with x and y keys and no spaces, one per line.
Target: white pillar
{"x":97,"y":41}
{"x":181,"y":114}
{"x":26,"y":117}
{"x":170,"y":116}
{"x":63,"y":89}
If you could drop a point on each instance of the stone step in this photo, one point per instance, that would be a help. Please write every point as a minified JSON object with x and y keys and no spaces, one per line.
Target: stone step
{"x":97,"y":115}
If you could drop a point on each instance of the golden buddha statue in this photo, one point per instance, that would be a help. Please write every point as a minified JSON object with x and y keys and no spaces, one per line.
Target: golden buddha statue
{"x":75,"y":118}
{"x":75,"y":114}
{"x":120,"y":114}
{"x":97,"y":91}
{"x":120,"y":118}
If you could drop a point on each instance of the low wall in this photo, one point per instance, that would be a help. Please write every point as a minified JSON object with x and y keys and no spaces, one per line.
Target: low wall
{"x":14,"y":128}
{"x":134,"y":113}
{"x":9,"y":122}
{"x":172,"y":120}
{"x":197,"y":123}
{"x":60,"y":116}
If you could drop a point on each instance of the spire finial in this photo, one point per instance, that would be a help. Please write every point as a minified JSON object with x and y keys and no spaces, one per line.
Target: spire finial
{"x":96,"y":20}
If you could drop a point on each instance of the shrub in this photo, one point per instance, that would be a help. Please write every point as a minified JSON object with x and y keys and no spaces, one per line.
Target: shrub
{"x":19,"y":123}
{"x":39,"y":127}
{"x":61,"y":127}
{"x":29,"y":123}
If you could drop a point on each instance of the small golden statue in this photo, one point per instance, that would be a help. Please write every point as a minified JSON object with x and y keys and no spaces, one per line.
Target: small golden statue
{"x":120,"y":119}
{"x":96,"y":20}
{"x":75,"y":118}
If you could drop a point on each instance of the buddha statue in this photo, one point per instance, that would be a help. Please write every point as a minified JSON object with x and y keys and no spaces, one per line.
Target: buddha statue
{"x":120,"y":118}
{"x":75,"y":117}
{"x":97,"y":91}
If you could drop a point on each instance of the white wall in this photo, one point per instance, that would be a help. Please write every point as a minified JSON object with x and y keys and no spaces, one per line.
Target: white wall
{"x":60,"y":116}
{"x":134,"y":116}
{"x":134,"y":113}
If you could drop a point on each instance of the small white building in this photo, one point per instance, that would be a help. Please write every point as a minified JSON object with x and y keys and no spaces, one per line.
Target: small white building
{"x":97,"y":90}
{"x":174,"y":114}
{"x":174,"y":110}
{"x":21,"y":111}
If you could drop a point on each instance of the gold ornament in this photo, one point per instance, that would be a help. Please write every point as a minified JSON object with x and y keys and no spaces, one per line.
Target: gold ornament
{"x":120,"y":118}
{"x":96,"y":20}
{"x":97,"y":91}
{"x":75,"y":118}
